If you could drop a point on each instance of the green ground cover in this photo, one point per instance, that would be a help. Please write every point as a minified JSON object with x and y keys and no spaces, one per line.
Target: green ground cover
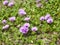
{"x":47,"y":34}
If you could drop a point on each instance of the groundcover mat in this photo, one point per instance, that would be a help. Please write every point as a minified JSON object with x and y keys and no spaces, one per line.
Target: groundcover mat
{"x":29,"y":22}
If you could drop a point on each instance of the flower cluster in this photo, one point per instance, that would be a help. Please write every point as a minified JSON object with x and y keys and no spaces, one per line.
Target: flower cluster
{"x":10,"y":4}
{"x":25,"y":28}
{"x":6,"y":26}
{"x":48,"y":18}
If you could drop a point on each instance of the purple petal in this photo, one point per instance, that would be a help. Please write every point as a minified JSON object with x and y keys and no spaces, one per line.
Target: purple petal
{"x":34,"y":28}
{"x":38,"y":5}
{"x":4,"y":21}
{"x":47,"y":16}
{"x":10,"y":4}
{"x":50,"y":21}
{"x":42,"y":18}
{"x":26,"y":25}
{"x":21,"y":12}
{"x":5,"y":2}
{"x":27,"y":19}
{"x":5,"y":27}
{"x":12,"y":19}
{"x":23,"y":30}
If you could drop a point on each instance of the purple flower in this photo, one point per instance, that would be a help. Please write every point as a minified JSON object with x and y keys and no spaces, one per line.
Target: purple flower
{"x":34,"y":28}
{"x":26,"y":25}
{"x":5,"y":27}
{"x":10,"y":4}
{"x":38,"y":5}
{"x":27,"y":19}
{"x":23,"y":30}
{"x":12,"y":19}
{"x":50,"y":20}
{"x":47,"y":17}
{"x":38,"y":1}
{"x":4,"y":21}
{"x":21,"y":12}
{"x":42,"y":18}
{"x":5,"y":2}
